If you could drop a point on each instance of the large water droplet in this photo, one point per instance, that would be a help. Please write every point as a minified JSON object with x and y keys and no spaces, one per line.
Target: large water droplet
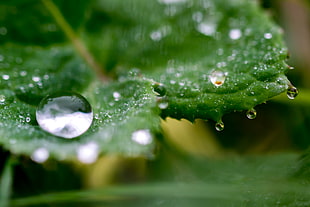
{"x":217,"y":78}
{"x":159,"y":89}
{"x":219,"y":126}
{"x":40,"y":155}
{"x":64,"y":114}
{"x":142,"y":137}
{"x":292,"y":92}
{"x":251,"y":114}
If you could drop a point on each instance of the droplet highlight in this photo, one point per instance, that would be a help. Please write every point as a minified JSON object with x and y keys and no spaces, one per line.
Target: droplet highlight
{"x":219,"y":126}
{"x":64,"y":114}
{"x":251,"y":114}
{"x":292,"y":92}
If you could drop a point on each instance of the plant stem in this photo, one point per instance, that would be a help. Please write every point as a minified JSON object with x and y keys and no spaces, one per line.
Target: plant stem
{"x":6,"y":182}
{"x":77,"y":43}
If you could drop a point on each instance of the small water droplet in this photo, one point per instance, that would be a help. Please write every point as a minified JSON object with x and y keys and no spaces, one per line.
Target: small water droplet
{"x":162,"y":102}
{"x":159,"y":89}
{"x":156,"y":35}
{"x":88,"y":153}
{"x":268,"y":35}
{"x":197,"y":16}
{"x":2,"y":99}
{"x":116,"y":96}
{"x":28,"y":119}
{"x":207,"y":28}
{"x":251,"y":114}
{"x":235,"y":34}
{"x":219,"y":126}
{"x":292,"y":92}
{"x":142,"y":136}
{"x":23,"y":73}
{"x":5,"y":77}
{"x":64,"y":114}
{"x":217,"y":78}
{"x":36,"y":78}
{"x":40,"y":155}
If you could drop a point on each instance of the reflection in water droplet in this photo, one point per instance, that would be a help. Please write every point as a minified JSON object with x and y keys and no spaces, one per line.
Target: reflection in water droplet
{"x":156,"y":35}
{"x":218,"y":78}
{"x":159,"y":89}
{"x":251,"y":114}
{"x":142,"y":137}
{"x":40,"y":155}
{"x":88,"y":153}
{"x":219,"y":126}
{"x":64,"y":114}
{"x":235,"y":34}
{"x":292,"y":92}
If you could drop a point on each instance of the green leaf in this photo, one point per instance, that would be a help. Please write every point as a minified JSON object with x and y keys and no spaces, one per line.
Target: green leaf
{"x":179,"y":44}
{"x":182,"y":44}
{"x":31,"y":73}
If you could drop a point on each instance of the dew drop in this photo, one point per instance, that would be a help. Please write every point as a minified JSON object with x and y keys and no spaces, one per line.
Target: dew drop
{"x":116,"y":96}
{"x":235,"y":34}
{"x":251,"y":114}
{"x":142,"y":136}
{"x":219,"y":126}
{"x":40,"y":155}
{"x":159,"y":89}
{"x":88,"y":153}
{"x":2,"y":99}
{"x":36,"y":78}
{"x":268,"y":36}
{"x":23,"y":73}
{"x":162,"y":102}
{"x":207,"y":28}
{"x":5,"y":77}
{"x":64,"y":114}
{"x":217,"y":78}
{"x":28,"y":119}
{"x":292,"y":92}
